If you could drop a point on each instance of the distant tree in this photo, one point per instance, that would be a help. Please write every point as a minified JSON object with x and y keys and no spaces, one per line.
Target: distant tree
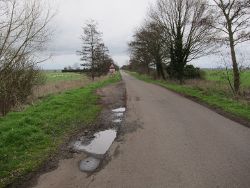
{"x":76,"y":66}
{"x":232,"y":19}
{"x":104,"y":61}
{"x":140,"y":55}
{"x":149,"y":47}
{"x":94,"y":53}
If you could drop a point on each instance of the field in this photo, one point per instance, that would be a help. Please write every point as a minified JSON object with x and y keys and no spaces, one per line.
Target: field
{"x":56,"y":82}
{"x":29,"y":137}
{"x":220,"y":76}
{"x":57,"y":76}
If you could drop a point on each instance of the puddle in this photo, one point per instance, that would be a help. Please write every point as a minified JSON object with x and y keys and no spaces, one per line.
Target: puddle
{"x":119,"y":110}
{"x":117,"y":121}
{"x":99,"y":145}
{"x":119,"y":114}
{"x":89,"y":164}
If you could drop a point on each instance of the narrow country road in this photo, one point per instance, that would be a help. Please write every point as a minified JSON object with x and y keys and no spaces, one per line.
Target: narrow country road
{"x":177,"y":143}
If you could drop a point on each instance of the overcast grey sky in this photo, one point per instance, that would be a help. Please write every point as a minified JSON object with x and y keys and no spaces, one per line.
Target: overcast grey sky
{"x":117,"y":21}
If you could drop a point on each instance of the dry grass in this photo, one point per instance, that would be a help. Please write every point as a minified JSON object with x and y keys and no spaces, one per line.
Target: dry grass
{"x":52,"y":88}
{"x":55,"y":88}
{"x":58,"y":87}
{"x":210,"y":87}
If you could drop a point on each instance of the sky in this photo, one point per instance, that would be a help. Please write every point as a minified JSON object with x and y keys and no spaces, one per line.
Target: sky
{"x":117,"y":20}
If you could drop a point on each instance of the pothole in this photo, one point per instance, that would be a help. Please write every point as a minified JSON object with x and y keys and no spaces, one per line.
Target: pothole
{"x":89,"y":164}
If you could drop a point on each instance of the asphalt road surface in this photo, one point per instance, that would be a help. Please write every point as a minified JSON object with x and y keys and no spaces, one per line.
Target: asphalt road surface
{"x":173,"y":142}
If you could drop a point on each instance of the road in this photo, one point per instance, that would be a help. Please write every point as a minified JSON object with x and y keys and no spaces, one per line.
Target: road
{"x":177,"y":143}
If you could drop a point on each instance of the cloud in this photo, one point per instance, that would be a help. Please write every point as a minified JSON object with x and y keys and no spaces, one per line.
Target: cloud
{"x":117,"y":20}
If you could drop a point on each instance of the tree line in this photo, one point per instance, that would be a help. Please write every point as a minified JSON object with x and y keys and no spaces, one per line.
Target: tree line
{"x":176,"y":32}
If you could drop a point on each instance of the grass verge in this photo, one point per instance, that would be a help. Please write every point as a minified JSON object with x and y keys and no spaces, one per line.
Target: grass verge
{"x":212,"y":99}
{"x":28,"y":138}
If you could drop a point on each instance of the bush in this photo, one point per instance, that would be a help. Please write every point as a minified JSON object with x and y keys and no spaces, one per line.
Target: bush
{"x":191,"y":72}
{"x":16,"y":84}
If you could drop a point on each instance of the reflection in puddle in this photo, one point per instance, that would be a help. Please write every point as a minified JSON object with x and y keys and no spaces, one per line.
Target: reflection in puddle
{"x":99,"y":145}
{"x":89,"y":164}
{"x":117,"y":121}
{"x":119,"y":110}
{"x":118,"y":114}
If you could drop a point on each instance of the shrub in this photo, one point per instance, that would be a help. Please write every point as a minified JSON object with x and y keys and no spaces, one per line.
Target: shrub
{"x":191,"y":72}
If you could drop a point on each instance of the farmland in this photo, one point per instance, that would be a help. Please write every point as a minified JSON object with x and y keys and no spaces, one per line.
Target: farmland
{"x":56,"y":82}
{"x":55,"y":76}
{"x":220,"y":76}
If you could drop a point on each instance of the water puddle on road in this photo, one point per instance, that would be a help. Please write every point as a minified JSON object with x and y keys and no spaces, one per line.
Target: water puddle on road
{"x":119,"y":110}
{"x":119,"y":114}
{"x":97,"y":146}
{"x":117,"y":121}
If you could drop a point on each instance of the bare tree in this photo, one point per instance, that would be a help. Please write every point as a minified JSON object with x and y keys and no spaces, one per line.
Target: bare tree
{"x":233,"y":20}
{"x":189,"y":34}
{"x":23,"y":33}
{"x":91,"y":46}
{"x":149,"y":46}
{"x":139,"y":53}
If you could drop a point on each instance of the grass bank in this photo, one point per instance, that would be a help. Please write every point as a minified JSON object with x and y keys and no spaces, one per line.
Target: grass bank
{"x":216,"y":100}
{"x":28,"y":138}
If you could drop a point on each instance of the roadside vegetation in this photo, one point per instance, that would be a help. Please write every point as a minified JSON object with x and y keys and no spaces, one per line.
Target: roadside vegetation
{"x":25,"y":31}
{"x":214,"y":97}
{"x":175,"y":33}
{"x":28,"y":138}
{"x":40,"y":109}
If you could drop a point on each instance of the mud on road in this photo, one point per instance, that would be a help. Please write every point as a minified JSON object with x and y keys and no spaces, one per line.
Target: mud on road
{"x":66,"y":162}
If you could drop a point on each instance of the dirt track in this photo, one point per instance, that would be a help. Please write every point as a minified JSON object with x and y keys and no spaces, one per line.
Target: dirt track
{"x":170,"y":142}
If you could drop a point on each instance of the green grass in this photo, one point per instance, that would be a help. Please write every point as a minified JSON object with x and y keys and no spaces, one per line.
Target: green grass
{"x":59,"y":76}
{"x":27,"y":138}
{"x":211,"y":98}
{"x":220,"y":76}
